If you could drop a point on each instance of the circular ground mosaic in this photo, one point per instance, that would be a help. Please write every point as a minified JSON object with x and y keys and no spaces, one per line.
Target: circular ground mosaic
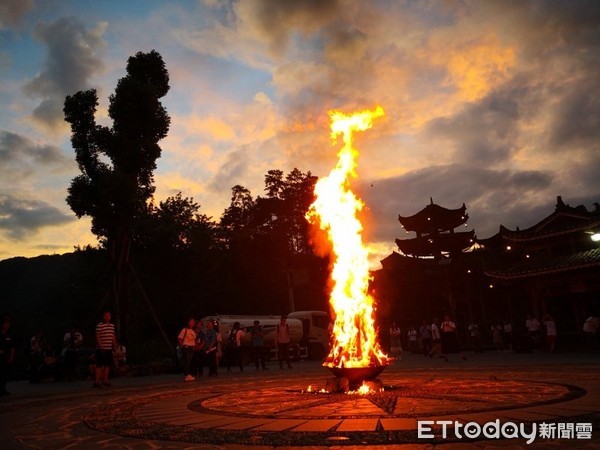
{"x":408,"y":399}
{"x":280,"y":414}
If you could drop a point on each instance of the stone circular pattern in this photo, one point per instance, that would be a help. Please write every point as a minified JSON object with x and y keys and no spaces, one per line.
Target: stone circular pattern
{"x":416,"y":399}
{"x":298,"y":415}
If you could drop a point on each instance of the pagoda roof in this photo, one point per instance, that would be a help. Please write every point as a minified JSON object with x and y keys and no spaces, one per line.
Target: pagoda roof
{"x":434,"y":218}
{"x":564,"y":220}
{"x":548,"y":266}
{"x":435,"y":244}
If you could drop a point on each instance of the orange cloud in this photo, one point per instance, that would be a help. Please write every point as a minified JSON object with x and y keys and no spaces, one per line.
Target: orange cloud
{"x":474,"y":68}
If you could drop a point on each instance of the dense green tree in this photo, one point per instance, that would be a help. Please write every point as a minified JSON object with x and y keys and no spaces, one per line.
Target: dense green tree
{"x":117,"y":163}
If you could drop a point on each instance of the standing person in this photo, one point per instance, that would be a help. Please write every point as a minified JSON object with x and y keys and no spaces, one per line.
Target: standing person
{"x":449,"y":336}
{"x":550,"y":327}
{"x":282,"y":339}
{"x":199,"y":350}
{"x":412,"y":339}
{"x":425,"y":332}
{"x":219,"y":337}
{"x":235,"y":347}
{"x":72,"y":342}
{"x":257,"y":345}
{"x":436,"y":340}
{"x":497,"y":337}
{"x":534,"y":329}
{"x":590,"y":331}
{"x":37,"y":349}
{"x":187,"y":340}
{"x":7,"y":353}
{"x":475,"y":334}
{"x":106,"y":343}
{"x":395,"y":340}
{"x":121,"y":357}
{"x":507,"y":334}
{"x":210,"y":346}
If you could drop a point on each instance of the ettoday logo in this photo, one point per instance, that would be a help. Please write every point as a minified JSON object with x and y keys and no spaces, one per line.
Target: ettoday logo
{"x":429,"y":429}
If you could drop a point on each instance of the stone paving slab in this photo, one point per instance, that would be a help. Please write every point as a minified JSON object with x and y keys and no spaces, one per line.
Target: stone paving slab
{"x":246,"y":424}
{"x":317,"y":425}
{"x":280,"y":425}
{"x":398,"y":424}
{"x":358,"y":425}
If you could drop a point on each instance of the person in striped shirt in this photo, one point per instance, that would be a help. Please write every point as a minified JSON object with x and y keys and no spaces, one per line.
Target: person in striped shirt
{"x":106,"y":343}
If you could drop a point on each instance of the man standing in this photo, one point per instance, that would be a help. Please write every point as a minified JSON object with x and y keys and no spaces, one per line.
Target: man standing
{"x":282,"y":339}
{"x":590,"y":331}
{"x":257,"y":347}
{"x":425,"y":332}
{"x":211,"y":347}
{"x":235,"y":347}
{"x":7,"y":353}
{"x":72,"y":342}
{"x":106,"y":343}
{"x":435,"y":340}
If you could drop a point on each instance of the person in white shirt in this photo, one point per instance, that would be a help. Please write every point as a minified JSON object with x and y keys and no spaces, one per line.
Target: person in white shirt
{"x":187,"y":340}
{"x":436,"y":341}
{"x":449,"y":337}
{"x":590,"y":331}
{"x":534,"y":329}
{"x":550,"y":327}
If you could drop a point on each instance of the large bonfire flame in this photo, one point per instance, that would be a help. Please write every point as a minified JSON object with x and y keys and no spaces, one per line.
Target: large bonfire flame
{"x":335,"y":211}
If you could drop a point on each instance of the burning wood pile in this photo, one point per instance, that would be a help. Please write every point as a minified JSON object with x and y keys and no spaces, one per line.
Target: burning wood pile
{"x":355,"y":353}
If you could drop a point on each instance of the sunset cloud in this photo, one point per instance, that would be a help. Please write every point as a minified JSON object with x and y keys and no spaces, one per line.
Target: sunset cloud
{"x":71,"y":61}
{"x":488,"y":103}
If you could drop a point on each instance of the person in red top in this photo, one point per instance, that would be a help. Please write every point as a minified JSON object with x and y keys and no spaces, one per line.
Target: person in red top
{"x":106,"y":343}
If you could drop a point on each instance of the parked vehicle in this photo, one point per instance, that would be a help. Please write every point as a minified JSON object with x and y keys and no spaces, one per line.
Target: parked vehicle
{"x":308,"y":332}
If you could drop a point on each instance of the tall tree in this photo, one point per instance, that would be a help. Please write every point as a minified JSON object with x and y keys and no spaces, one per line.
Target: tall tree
{"x":175,"y":224}
{"x":290,"y":198}
{"x":117,"y":163}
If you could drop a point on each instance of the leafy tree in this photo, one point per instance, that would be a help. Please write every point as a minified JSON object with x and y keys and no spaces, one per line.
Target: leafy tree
{"x":237,"y":218}
{"x":266,"y":237}
{"x":289,"y":199}
{"x":117,"y":163}
{"x":175,"y":224}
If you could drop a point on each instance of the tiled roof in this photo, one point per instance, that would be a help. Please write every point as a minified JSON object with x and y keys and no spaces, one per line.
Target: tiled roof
{"x":434,"y":218}
{"x":550,"y":231}
{"x":546,"y":266}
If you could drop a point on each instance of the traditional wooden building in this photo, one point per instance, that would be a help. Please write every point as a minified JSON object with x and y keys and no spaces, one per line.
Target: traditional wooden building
{"x":435,"y":237}
{"x":425,"y":279}
{"x":551,"y":267}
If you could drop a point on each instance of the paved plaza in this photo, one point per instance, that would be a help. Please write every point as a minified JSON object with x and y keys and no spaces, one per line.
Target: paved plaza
{"x":267,"y":409}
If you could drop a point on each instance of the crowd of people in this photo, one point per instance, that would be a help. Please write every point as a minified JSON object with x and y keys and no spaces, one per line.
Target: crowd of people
{"x":65,"y":359}
{"x":201,"y":345}
{"x":441,"y":338}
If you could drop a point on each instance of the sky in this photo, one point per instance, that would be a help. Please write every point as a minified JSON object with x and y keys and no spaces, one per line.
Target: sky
{"x":492,"y":103}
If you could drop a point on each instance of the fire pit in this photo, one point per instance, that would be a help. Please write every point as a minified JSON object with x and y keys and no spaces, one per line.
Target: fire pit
{"x":355,"y":356}
{"x":356,"y":375}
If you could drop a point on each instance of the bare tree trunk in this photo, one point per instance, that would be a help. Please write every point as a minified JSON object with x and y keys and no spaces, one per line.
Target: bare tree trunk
{"x":153,"y":312}
{"x":121,"y":286}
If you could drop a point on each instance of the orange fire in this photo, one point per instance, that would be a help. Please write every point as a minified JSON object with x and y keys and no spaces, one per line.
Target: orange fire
{"x":335,"y":211}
